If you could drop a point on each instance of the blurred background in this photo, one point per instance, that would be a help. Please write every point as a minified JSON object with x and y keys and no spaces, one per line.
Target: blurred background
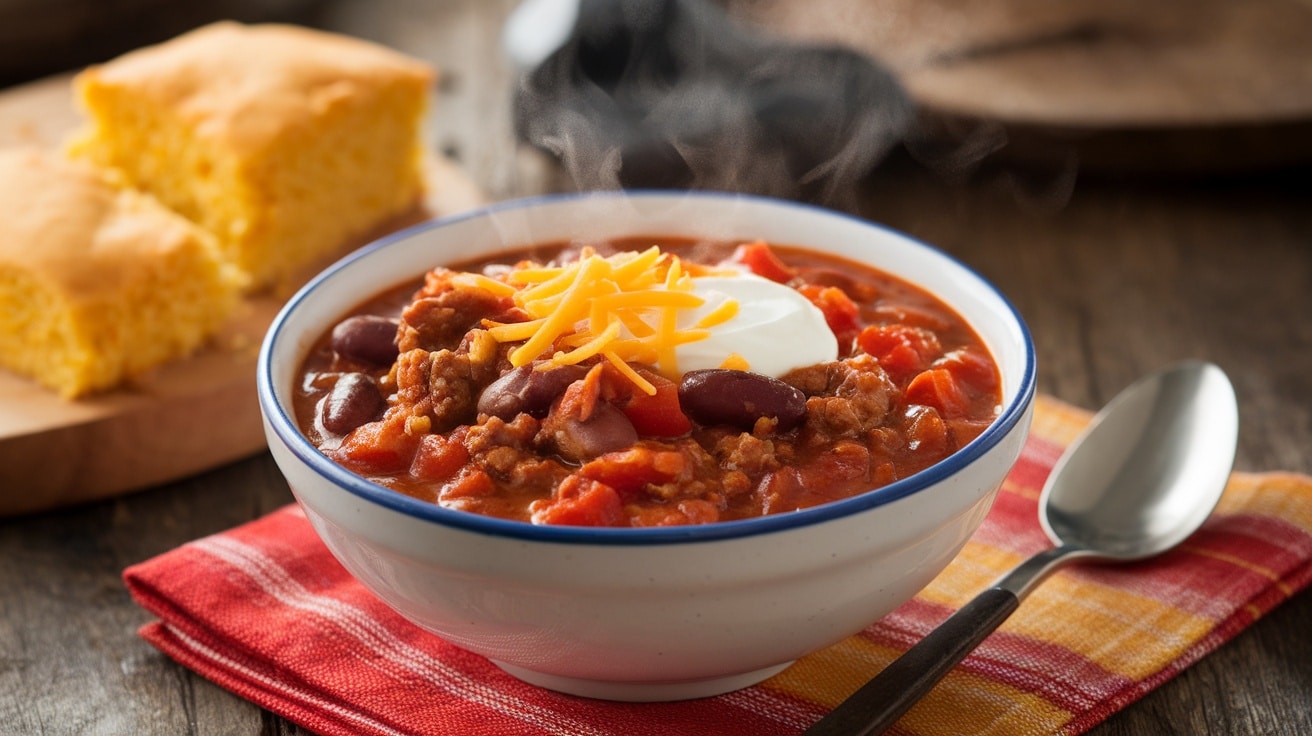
{"x":41,"y":37}
{"x":1106,"y":86}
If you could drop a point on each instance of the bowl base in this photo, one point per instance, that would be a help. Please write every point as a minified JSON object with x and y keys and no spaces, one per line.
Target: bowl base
{"x":643,"y":692}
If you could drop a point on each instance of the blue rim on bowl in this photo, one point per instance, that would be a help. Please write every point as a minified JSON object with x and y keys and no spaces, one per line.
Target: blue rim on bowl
{"x":287,"y":430}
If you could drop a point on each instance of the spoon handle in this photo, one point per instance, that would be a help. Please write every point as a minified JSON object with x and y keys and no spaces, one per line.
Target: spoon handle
{"x":881,"y":701}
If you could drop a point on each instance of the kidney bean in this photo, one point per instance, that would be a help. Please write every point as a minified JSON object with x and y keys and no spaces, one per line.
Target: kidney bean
{"x":738,"y":398}
{"x":354,"y":400}
{"x":606,"y":430}
{"x":523,"y":390}
{"x":366,"y":338}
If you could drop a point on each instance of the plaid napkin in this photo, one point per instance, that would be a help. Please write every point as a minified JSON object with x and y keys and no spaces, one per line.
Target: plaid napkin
{"x":264,"y":611}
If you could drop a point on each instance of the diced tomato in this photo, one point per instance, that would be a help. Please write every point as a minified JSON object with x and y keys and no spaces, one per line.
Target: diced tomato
{"x":580,"y":501}
{"x":972,"y":369}
{"x":698,"y":511}
{"x":883,"y":473}
{"x":846,"y":461}
{"x":469,"y":482}
{"x":964,"y":429}
{"x":938,"y":388}
{"x":438,"y":457}
{"x":763,"y":262}
{"x":658,"y":415}
{"x":841,"y":313}
{"x":378,"y":448}
{"x":926,"y":432}
{"x":780,"y":490}
{"x":580,"y":397}
{"x":686,"y":511}
{"x":901,"y":350}
{"x":628,"y":471}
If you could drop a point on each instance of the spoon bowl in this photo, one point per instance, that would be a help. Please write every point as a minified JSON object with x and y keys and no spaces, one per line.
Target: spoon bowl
{"x":1171,"y":439}
{"x":1143,"y":476}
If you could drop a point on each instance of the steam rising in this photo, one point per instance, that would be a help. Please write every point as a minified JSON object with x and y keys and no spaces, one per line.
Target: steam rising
{"x":672,"y":94}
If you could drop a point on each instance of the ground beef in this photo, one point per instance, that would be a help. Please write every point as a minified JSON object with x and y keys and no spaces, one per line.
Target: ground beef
{"x":750,"y":454}
{"x":811,"y":380}
{"x":492,"y":433}
{"x":856,"y":399}
{"x":436,"y":385}
{"x":444,"y":385}
{"x":444,"y":311}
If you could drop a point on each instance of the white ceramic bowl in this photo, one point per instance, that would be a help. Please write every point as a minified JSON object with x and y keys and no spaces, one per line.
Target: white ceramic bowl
{"x":655,"y":613}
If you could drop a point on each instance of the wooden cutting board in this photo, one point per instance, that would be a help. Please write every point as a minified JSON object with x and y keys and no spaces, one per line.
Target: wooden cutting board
{"x":1127,"y":85}
{"x":186,"y":417}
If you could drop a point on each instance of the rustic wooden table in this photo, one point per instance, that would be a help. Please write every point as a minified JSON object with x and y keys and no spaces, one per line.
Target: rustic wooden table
{"x":1115,"y":278}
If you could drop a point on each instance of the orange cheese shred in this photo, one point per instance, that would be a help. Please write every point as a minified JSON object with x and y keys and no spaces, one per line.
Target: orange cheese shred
{"x":624,"y":308}
{"x":727,"y":310}
{"x":736,"y":362}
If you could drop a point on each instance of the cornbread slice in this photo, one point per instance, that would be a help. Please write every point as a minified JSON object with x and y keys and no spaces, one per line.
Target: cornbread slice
{"x":283,"y":141}
{"x":99,"y":283}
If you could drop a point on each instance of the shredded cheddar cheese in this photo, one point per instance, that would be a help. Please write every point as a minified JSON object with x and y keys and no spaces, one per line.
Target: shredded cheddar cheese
{"x":727,"y":310}
{"x":624,"y":308}
{"x":735,"y":362}
{"x":500,"y":288}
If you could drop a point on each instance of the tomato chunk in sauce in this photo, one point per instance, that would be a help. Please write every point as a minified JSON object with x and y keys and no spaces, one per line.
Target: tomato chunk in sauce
{"x":421,"y":389}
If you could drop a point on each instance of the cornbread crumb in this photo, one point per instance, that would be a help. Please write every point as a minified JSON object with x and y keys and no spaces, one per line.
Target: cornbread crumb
{"x":285,"y":142}
{"x":99,"y":283}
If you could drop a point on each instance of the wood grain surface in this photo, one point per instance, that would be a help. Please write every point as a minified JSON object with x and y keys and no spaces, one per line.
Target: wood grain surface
{"x":1115,"y":276}
{"x":1166,"y":86}
{"x":186,"y":416}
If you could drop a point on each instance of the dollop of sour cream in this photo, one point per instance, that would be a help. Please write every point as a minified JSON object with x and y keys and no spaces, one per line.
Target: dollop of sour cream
{"x":775,"y":330}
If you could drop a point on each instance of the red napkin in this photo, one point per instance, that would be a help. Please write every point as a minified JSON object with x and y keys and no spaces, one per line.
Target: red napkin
{"x":266,"y":612}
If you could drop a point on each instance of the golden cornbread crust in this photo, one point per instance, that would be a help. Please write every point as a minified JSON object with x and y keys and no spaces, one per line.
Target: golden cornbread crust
{"x":284,"y":141}
{"x":99,"y":283}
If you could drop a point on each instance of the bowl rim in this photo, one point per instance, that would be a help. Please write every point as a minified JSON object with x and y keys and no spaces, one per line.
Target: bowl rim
{"x":289,"y":434}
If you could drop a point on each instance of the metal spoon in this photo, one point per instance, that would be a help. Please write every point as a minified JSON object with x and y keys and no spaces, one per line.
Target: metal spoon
{"x":1140,"y":479}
